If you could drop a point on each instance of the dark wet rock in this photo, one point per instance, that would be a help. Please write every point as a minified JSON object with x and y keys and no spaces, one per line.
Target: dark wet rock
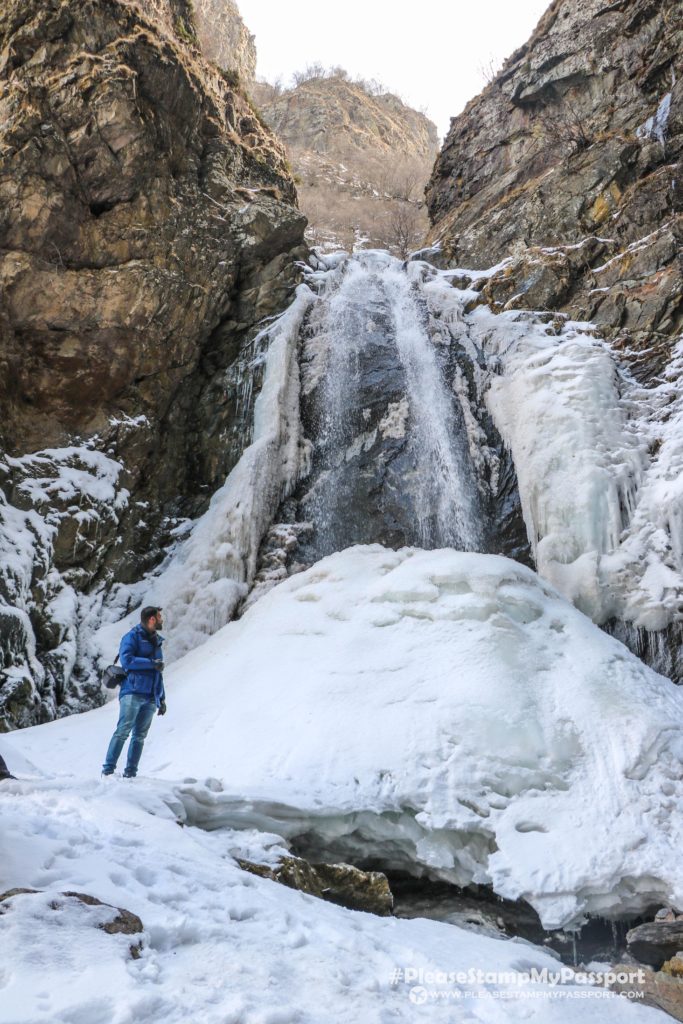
{"x":4,"y":770}
{"x":477,"y":908}
{"x":362,"y":486}
{"x":656,"y":941}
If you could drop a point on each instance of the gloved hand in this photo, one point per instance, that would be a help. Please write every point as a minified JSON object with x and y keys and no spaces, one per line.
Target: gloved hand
{"x":159,"y":665}
{"x":162,"y":708}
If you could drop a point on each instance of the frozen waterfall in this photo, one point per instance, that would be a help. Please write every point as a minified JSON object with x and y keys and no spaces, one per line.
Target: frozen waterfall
{"x":397,"y":409}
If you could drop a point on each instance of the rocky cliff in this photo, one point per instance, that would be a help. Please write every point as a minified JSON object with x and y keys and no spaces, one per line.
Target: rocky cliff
{"x":333,"y":115}
{"x":224,"y":38}
{"x":361,"y":157}
{"x":564,"y":177}
{"x":568,"y":165}
{"x":147,"y":223}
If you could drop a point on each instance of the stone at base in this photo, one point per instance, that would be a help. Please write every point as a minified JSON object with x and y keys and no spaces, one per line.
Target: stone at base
{"x":659,"y":989}
{"x":342,"y":884}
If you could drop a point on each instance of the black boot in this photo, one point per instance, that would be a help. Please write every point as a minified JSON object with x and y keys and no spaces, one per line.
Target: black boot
{"x":4,"y":770}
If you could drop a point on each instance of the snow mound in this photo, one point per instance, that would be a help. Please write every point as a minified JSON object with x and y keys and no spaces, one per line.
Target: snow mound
{"x":442,"y":712}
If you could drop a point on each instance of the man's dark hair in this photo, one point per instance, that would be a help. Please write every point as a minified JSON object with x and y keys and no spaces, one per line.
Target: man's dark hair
{"x":147,"y":612}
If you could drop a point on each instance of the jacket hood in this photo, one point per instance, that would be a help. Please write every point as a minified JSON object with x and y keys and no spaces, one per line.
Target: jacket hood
{"x":139,"y":628}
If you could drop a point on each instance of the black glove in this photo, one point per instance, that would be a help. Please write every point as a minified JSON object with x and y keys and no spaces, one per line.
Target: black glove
{"x":158,"y":664}
{"x":162,"y":708}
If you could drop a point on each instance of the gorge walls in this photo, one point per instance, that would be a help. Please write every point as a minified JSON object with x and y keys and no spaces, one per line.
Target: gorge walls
{"x":147,"y":223}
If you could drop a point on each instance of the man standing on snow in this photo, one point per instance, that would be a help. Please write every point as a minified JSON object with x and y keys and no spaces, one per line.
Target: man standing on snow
{"x":142,"y":691}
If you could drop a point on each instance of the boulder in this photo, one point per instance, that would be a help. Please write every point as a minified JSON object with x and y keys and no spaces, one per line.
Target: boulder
{"x":656,"y":941}
{"x":343,"y":884}
{"x":659,"y":989}
{"x":124,"y":922}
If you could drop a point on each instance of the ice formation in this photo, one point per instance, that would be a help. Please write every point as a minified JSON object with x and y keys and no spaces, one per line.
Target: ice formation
{"x":210,"y":571}
{"x":596,"y":458}
{"x":597,"y":455}
{"x":443,"y":712}
{"x":51,"y":489}
{"x":598,"y":466}
{"x":656,"y":126}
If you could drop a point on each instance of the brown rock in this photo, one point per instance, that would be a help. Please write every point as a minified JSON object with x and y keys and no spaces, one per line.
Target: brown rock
{"x":343,"y":884}
{"x":674,"y":966}
{"x":658,"y":989}
{"x":15,"y":892}
{"x":224,"y":38}
{"x":144,"y":235}
{"x":124,"y":923}
{"x":116,"y":184}
{"x":566,"y":148}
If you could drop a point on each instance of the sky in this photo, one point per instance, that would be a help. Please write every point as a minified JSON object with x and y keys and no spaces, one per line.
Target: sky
{"x":435,"y":61}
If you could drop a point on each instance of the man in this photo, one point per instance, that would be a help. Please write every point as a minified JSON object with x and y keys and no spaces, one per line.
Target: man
{"x":142,"y":691}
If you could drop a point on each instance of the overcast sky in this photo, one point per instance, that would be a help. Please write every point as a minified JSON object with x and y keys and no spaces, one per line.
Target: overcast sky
{"x":431,"y":53}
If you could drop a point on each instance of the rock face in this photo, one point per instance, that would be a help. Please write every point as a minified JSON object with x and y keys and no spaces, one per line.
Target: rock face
{"x":332,"y":115}
{"x":565,"y":175}
{"x":148,"y":222}
{"x":224,"y":38}
{"x":361,"y":158}
{"x":569,"y":164}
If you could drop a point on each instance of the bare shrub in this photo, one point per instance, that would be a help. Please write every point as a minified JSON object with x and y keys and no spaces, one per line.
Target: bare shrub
{"x":489,"y":70}
{"x":565,"y":125}
{"x":406,"y":228}
{"x":311,"y":71}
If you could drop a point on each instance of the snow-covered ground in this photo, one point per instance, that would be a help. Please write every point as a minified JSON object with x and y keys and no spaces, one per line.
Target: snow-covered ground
{"x":445,"y":712}
{"x":221,"y":946}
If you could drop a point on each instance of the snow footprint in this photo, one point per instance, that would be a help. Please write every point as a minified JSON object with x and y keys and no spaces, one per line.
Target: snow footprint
{"x":95,"y":1011}
{"x":145,"y":876}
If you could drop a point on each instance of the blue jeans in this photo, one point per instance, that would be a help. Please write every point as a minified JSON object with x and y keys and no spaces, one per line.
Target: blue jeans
{"x":136,"y":712}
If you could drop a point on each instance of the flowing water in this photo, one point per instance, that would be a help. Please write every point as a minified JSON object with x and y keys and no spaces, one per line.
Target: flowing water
{"x":372,"y":342}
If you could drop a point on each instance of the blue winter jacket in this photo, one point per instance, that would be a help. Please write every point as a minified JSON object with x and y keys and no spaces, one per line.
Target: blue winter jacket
{"x":138,"y":651}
